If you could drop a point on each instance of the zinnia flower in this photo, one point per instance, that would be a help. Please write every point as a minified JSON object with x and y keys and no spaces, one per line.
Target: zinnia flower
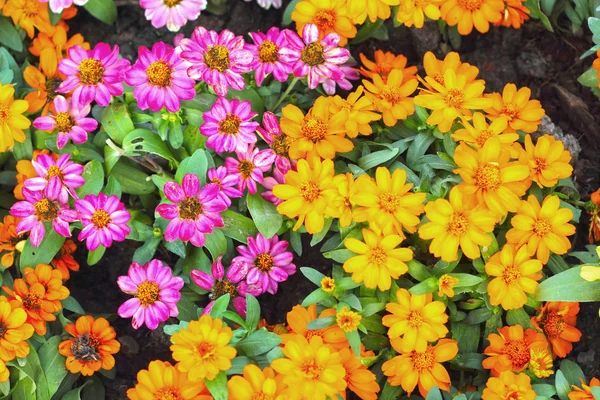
{"x":29,"y":15}
{"x":172,"y":13}
{"x":585,"y":391}
{"x":69,"y":121}
{"x":26,"y":171}
{"x":540,"y":363}
{"x":93,"y":74}
{"x":8,"y":240}
{"x":61,"y":175}
{"x":515,"y":13}
{"x":509,"y":386}
{"x":44,"y":89}
{"x":278,"y":141}
{"x":558,"y":320}
{"x":104,"y":219}
{"x":446,"y":285}
{"x":12,"y":122}
{"x":58,"y":6}
{"x":91,"y":347}
{"x":160,"y":79}
{"x":195,"y":211}
{"x":435,"y":68}
{"x":478,"y":133}
{"x":361,"y":112}
{"x":229,"y":126}
{"x":417,"y":319}
{"x":386,"y":62}
{"x":14,"y":331}
{"x":64,"y":261}
{"x":155,"y":291}
{"x":548,"y":161}
{"x":391,"y":96}
{"x":347,"y":319}
{"x":328,"y":17}
{"x":359,"y":379}
{"x":219,"y":59}
{"x":413,"y":12}
{"x":266,"y":55}
{"x":255,"y":384}
{"x":227,"y":184}
{"x":469,"y":13}
{"x":523,"y":114}
{"x":298,"y":319}
{"x":249,"y":167}
{"x":202,"y":349}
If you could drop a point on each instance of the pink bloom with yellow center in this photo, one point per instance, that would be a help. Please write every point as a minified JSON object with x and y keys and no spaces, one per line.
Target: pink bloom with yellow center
{"x":104,"y":219}
{"x":62,"y":175}
{"x":266,"y":55}
{"x":229,"y":126}
{"x":249,"y":167}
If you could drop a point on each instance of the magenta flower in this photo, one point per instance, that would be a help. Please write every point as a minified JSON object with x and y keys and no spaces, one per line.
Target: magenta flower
{"x":218,"y":59}
{"x":160,"y":78}
{"x":104,"y":219}
{"x":69,"y":121}
{"x":229,"y":125}
{"x":269,"y":262}
{"x":269,"y":182}
{"x":195,"y":211}
{"x":172,"y":13}
{"x":227,"y":184}
{"x":344,"y":83}
{"x":218,"y":284}
{"x":93,"y":74}
{"x":38,"y":208}
{"x":57,"y":6}
{"x":61,"y":175}
{"x":277,"y":140}
{"x":317,"y":59}
{"x":266,"y":55}
{"x":156,"y":293}
{"x":249,"y":167}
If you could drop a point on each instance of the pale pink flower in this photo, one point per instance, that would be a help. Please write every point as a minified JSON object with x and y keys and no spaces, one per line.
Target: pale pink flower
{"x":172,"y":13}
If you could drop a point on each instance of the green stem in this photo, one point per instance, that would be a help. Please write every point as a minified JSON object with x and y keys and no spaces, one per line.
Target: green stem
{"x":286,"y":93}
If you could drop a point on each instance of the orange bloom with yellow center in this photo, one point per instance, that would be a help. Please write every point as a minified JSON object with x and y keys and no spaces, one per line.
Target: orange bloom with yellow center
{"x":45,"y":90}
{"x":391,"y":96}
{"x":515,"y":13}
{"x":12,"y":122}
{"x":515,"y":274}
{"x":343,"y":204}
{"x":435,"y":68}
{"x":360,"y":112}
{"x":558,"y":320}
{"x":585,"y":391}
{"x":319,"y":133}
{"x":413,"y":12}
{"x":542,"y":229}
{"x":359,"y":379}
{"x":8,"y":240}
{"x":422,"y":368}
{"x":14,"y":331}
{"x":300,"y":317}
{"x":26,"y":171}
{"x":387,"y":203}
{"x":489,"y":178}
{"x":417,"y":319}
{"x":329,"y":16}
{"x":384,"y":63}
{"x":64,"y":260}
{"x":469,"y":13}
{"x":510,"y":348}
{"x":509,"y":386}
{"x":523,"y":114}
{"x":256,"y":384}
{"x":477,"y":134}
{"x":446,"y":285}
{"x":548,"y":160}
{"x":359,"y":10}
{"x":91,"y":347}
{"x":540,"y":363}
{"x":29,"y":14}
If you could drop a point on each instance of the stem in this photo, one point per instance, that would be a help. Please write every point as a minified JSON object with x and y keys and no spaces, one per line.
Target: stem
{"x":287,"y":91}
{"x":150,"y":165}
{"x":155,"y":165}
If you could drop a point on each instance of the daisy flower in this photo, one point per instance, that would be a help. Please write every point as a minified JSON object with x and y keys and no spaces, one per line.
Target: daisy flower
{"x":227,"y":184}
{"x":172,"y":13}
{"x":62,"y":175}
{"x":229,"y":126}
{"x":278,"y":141}
{"x":69,"y":121}
{"x":217,"y":58}
{"x":104,"y":219}
{"x":58,"y":6}
{"x":249,"y":167}
{"x":156,"y":293}
{"x":266,"y":55}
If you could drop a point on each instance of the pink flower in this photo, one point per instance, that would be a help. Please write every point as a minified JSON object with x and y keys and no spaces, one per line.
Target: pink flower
{"x":344,"y":83}
{"x":104,"y":219}
{"x":266,"y":55}
{"x":172,"y":13}
{"x":156,"y":293}
{"x":57,"y":6}
{"x":269,"y":182}
{"x":218,"y":59}
{"x":195,"y":211}
{"x":38,"y":208}
{"x":270,"y":262}
{"x":69,"y":121}
{"x":277,"y":140}
{"x":93,"y":74}
{"x":226,"y":184}
{"x":317,"y":59}
{"x":249,"y":167}
{"x":61,"y":175}
{"x":266,"y":4}
{"x":160,"y":78}
{"x":218,"y":284}
{"x":229,"y":125}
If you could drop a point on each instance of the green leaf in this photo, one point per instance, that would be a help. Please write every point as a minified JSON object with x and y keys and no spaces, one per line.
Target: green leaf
{"x":315,"y":296}
{"x":418,"y":270}
{"x":132,"y":179}
{"x":469,"y":360}
{"x":144,"y":140}
{"x":264,"y":213}
{"x":235,"y":317}
{"x":55,"y":17}
{"x":39,"y":377}
{"x":252,"y":311}
{"x":434,"y":394}
{"x":237,"y":365}
{"x":144,"y":253}
{"x":340,"y":255}
{"x":557,"y":264}
{"x":274,"y":354}
{"x":466,"y":335}
{"x":377,"y":158}
{"x":429,"y":285}
{"x":542,"y":389}
{"x":568,"y":286}
{"x":466,"y":280}
{"x":312,"y":275}
{"x":519,"y":317}
{"x":116,"y":119}
{"x":287,"y":14}
{"x":572,"y":372}
{"x":216,"y":243}
{"x":24,"y":390}
{"x":237,"y":226}
{"x":220,"y":305}
{"x":367,"y":31}
{"x":354,"y":341}
{"x":418,"y":147}
{"x":188,"y":310}
{"x":596,"y":392}
{"x":95,"y":390}
{"x":562,"y":385}
{"x":321,"y":323}
{"x":196,"y":164}
{"x":93,"y":173}
{"x":96,"y":255}
{"x":174,"y":328}
{"x":589,"y":78}
{"x":536,"y":12}
{"x":390,"y":392}
{"x":32,"y":256}
{"x":9,"y":36}
{"x":249,"y":94}
{"x":113,"y":187}
{"x":72,"y":305}
{"x":258,"y":342}
{"x":218,"y":386}
{"x":104,"y":10}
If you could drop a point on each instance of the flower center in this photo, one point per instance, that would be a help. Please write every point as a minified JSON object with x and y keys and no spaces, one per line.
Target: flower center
{"x":377,"y":256}
{"x":3,"y":329}
{"x":190,"y":208}
{"x":167,"y":393}
{"x":171,"y":3}
{"x":4,"y":114}
{"x":313,"y":54}
{"x":311,"y":369}
{"x":389,"y":202}
{"x":206,"y":350}
{"x":310,"y":191}
{"x":281,"y":145}
{"x":267,"y":52}
{"x":54,"y":170}
{"x":424,"y":361}
{"x":415,"y":319}
{"x":484,"y":135}
{"x":511,"y":111}
{"x":391,"y":94}
{"x":85,"y":348}
{"x":439,"y":78}
{"x":328,"y":284}
{"x":51,"y":85}
{"x":325,"y":20}
{"x":264,"y":262}
{"x":314,"y":128}
{"x":100,"y":219}
{"x":458,"y":225}
{"x":487,"y":177}
{"x":511,"y":274}
{"x":310,"y":333}
{"x":31,"y":8}
{"x":159,"y":73}
{"x":540,"y":164}
{"x":542,"y":227}
{"x":455,"y":98}
{"x":245,"y":169}
{"x":217,"y":58}
{"x":32,"y":302}
{"x":230,"y":125}
{"x":91,"y":71}
{"x":471,"y":5}
{"x":540,"y":363}
{"x":222,"y":287}
{"x":216,"y":181}
{"x":553,"y":324}
{"x":513,"y":394}
{"x":518,"y":351}
{"x":147,"y":293}
{"x":64,"y":122}
{"x":46,"y":210}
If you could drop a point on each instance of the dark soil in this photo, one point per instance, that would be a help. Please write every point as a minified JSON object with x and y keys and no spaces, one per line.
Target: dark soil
{"x":548,"y":63}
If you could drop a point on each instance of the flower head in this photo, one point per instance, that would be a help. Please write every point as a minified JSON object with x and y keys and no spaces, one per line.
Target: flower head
{"x":509,"y":386}
{"x":523,"y":114}
{"x":515,"y":13}
{"x":26,"y":171}
{"x":328,"y":17}
{"x":12,"y":122}
{"x":8,"y":240}
{"x":172,"y":13}
{"x":227,"y":184}
{"x":540,"y":363}
{"x":14,"y":331}
{"x":298,"y":319}
{"x":384,"y":63}
{"x":435,"y":68}
{"x":391,"y":96}
{"x":104,"y":219}
{"x":249,"y":167}
{"x":413,"y":12}
{"x":229,"y":126}
{"x":64,"y":261}
{"x":62,"y":175}
{"x":255,"y":384}
{"x":558,"y":320}
{"x":469,"y":13}
{"x":548,"y":161}
{"x":361,"y":112}
{"x":266,"y":55}
{"x":585,"y":391}
{"x":359,"y":379}
{"x":29,"y":15}
{"x":278,"y":141}
{"x":45,"y":89}
{"x":446,"y":285}
{"x":328,"y":284}
{"x":347,"y":319}
{"x":479,"y":132}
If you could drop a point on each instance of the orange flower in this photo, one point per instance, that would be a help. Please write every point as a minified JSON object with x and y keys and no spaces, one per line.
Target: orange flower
{"x":51,"y":48}
{"x":413,"y":12}
{"x":359,"y":379}
{"x":391,"y":96}
{"x":477,"y":134}
{"x":25,"y":171}
{"x":8,"y":240}
{"x":469,"y":13}
{"x":45,"y":90}
{"x":64,"y":260}
{"x":557,"y":320}
{"x":548,"y":160}
{"x":435,"y":68}
{"x":329,"y":16}
{"x":523,"y":114}
{"x":29,"y":14}
{"x":299,"y":317}
{"x":509,"y":386}
{"x":515,"y":13}
{"x":255,"y":384}
{"x":92,"y":346}
{"x":14,"y":331}
{"x":585,"y":392}
{"x":510,"y":349}
{"x":386,"y":62}
{"x":446,"y":285}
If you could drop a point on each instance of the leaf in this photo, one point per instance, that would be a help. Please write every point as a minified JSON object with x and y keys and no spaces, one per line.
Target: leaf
{"x":519,"y":317}
{"x":418,"y":147}
{"x":258,"y":342}
{"x":572,"y":372}
{"x":131,"y":178}
{"x":93,"y":173}
{"x":534,"y":7}
{"x":104,"y":10}
{"x":252,"y":311}
{"x":545,"y":390}
{"x":429,"y":285}
{"x":321,"y":323}
{"x":220,"y":305}
{"x":218,"y":386}
{"x":116,"y":119}
{"x":274,"y":354}
{"x":340,"y":255}
{"x":390,"y":392}
{"x":264,"y":213}
{"x":32,"y":256}
{"x":172,"y":329}
{"x":434,"y":394}
{"x":469,"y":360}
{"x":144,"y":140}
{"x":113,"y":187}
{"x":377,"y":158}
{"x":75,"y":394}
{"x":24,"y":390}
{"x":312,"y":275}
{"x":568,"y":286}
{"x":39,"y":377}
{"x":287,"y":14}
{"x":54,"y":17}
{"x":235,"y":317}
{"x":216,"y":243}
{"x":466,"y":335}
{"x":9,"y":36}
{"x":367,"y":31}
{"x":95,"y":255}
{"x":72,"y":305}
{"x":466,"y":280}
{"x":196,"y":164}
{"x":562,"y":385}
{"x":187,"y":309}
{"x":95,"y":390}
{"x":418,"y":270}
{"x":237,"y":226}
{"x":237,"y":365}
{"x":589,"y":78}
{"x":315,"y":296}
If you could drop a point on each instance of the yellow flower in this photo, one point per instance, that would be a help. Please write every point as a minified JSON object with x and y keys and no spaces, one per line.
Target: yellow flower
{"x":542,"y":229}
{"x":378,"y":259}
{"x":329,"y":16}
{"x":387,"y":203}
{"x":318,"y":133}
{"x":347,"y":319}
{"x":509,"y":386}
{"x":416,"y":319}
{"x":413,"y":12}
{"x":255,"y":384}
{"x":359,"y":10}
{"x":478,"y":133}
{"x":391,"y":96}
{"x":523,"y":114}
{"x":29,"y":14}
{"x":308,"y":194}
{"x":469,"y":13}
{"x":453,"y":224}
{"x":446,"y":285}
{"x":14,"y":331}
{"x":12,"y":122}
{"x":343,"y":204}
{"x":386,"y":62}
{"x":360,"y":112}
{"x":548,"y":160}
{"x":435,"y":68}
{"x":489,"y":178}
{"x":454,"y":98}
{"x":328,"y":284}
{"x":310,"y":369}
{"x":540,"y":363}
{"x":202,"y":349}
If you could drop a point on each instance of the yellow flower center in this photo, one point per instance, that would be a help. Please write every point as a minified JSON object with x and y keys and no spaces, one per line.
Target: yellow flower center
{"x":100,"y":218}
{"x":348,"y":320}
{"x":470,"y":5}
{"x":31,"y":8}
{"x":190,"y":208}
{"x":264,"y":262}
{"x":32,"y":302}
{"x":313,"y":54}
{"x":4,"y":114}
{"x":518,"y":352}
{"x":206,"y":350}
{"x":511,"y":274}
{"x":389,"y":202}
{"x":85,"y":348}
{"x":542,"y":227}
{"x":230,"y":125}
{"x":216,"y":180}
{"x":377,"y":256}
{"x":424,"y":361}
{"x":217,"y":58}
{"x":159,"y":74}
{"x":487,"y":177}
{"x":54,"y":170}
{"x":281,"y":145}
{"x":415,"y":319}
{"x":325,"y":20}
{"x":511,"y":110}
{"x":46,"y":210}
{"x":327,"y":284}
{"x":91,"y":71}
{"x":311,"y":369}
{"x":439,"y":78}
{"x":391,"y":94}
{"x":458,"y":225}
{"x":167,"y":393}
{"x":245,"y":168}
{"x":267,"y":52}
{"x":310,"y":191}
{"x":171,"y":3}
{"x":513,"y":393}
{"x":147,"y":293}
{"x":64,"y":122}
{"x":553,"y":324}
{"x":455,"y":98}
{"x":310,"y":333}
{"x":540,"y":164}
{"x":313,"y":128}
{"x":484,"y":135}
{"x":222,"y":287}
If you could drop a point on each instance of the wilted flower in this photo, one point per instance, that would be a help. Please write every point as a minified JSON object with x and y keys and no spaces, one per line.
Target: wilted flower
{"x":104,"y":219}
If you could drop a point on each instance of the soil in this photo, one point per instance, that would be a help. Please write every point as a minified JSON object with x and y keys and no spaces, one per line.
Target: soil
{"x":546,"y":62}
